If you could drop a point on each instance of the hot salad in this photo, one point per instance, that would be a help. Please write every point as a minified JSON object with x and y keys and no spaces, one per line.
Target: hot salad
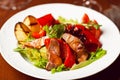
{"x":59,"y":44}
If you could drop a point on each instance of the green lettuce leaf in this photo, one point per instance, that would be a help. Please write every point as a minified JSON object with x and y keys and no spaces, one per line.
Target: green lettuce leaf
{"x":93,"y":57}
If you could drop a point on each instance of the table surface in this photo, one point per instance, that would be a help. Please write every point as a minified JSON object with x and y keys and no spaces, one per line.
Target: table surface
{"x":110,"y":8}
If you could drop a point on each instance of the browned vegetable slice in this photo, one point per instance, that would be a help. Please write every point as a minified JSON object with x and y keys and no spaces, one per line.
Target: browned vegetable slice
{"x":24,"y":27}
{"x":20,"y":31}
{"x":32,"y":23}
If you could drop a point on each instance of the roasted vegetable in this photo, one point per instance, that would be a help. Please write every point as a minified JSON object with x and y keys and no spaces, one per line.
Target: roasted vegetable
{"x":70,"y":57}
{"x":21,"y":31}
{"x":32,"y":23}
{"x":55,"y":31}
{"x":46,"y":20}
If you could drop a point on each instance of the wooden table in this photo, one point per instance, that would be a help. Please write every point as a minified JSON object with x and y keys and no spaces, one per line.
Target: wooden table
{"x":111,"y":8}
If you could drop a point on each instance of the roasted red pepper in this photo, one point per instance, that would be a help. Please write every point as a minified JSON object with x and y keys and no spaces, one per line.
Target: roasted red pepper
{"x":63,"y":49}
{"x":70,"y":58}
{"x":46,"y":20}
{"x":66,"y":54}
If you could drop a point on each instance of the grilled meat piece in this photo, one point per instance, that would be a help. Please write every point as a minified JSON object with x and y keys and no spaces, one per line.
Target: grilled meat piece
{"x":37,"y":43}
{"x":54,"y":59}
{"x":76,"y":45}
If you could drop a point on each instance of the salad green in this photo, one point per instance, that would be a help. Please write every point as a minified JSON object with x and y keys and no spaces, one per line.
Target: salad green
{"x":91,"y":23}
{"x":57,"y":47}
{"x":59,"y":69}
{"x":55,"y":31}
{"x":93,"y":57}
{"x":67,"y":21}
{"x":35,"y":56}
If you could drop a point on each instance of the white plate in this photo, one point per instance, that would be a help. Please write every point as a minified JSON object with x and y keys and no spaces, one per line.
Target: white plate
{"x":110,"y":40}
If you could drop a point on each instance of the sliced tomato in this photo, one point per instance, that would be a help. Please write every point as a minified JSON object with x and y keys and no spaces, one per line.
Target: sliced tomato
{"x":96,"y":32}
{"x":85,"y":18}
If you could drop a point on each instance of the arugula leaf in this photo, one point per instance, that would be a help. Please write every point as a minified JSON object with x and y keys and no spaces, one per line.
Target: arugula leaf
{"x":54,"y":31}
{"x":98,"y":54}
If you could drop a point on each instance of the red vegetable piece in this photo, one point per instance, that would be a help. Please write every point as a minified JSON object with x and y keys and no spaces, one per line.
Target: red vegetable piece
{"x":46,"y":20}
{"x":42,"y":33}
{"x":98,"y":33}
{"x":63,"y":49}
{"x":38,"y":34}
{"x":66,"y":54}
{"x":70,"y":58}
{"x":95,"y":32}
{"x":85,"y":18}
{"x":47,"y":42}
{"x":91,"y":42}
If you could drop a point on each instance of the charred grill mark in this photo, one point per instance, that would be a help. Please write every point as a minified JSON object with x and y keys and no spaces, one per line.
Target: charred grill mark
{"x":32,"y":24}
